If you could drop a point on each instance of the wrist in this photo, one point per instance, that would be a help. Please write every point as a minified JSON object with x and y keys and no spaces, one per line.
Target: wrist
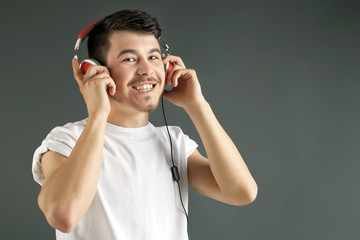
{"x":98,"y":117}
{"x":196,"y":105}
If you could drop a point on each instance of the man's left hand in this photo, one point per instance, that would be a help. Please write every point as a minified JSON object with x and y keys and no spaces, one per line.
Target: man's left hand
{"x":186,"y":89}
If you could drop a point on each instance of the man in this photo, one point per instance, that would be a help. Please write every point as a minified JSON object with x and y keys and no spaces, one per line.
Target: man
{"x":108,"y":176}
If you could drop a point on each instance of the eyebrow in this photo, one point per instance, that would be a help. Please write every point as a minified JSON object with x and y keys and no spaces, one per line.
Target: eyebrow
{"x":132,"y":51}
{"x":155,"y":50}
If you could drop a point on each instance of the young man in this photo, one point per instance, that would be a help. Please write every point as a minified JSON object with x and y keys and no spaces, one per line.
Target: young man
{"x":108,"y":176}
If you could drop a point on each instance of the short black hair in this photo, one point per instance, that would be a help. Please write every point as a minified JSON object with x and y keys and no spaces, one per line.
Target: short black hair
{"x":131,"y":20}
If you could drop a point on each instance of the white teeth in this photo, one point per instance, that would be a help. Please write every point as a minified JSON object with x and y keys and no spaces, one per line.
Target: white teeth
{"x":143,"y":88}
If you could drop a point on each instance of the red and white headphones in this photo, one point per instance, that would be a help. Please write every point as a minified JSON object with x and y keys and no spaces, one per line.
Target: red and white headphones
{"x":86,"y":63}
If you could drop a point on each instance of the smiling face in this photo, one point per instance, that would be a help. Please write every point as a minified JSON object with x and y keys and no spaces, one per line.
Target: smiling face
{"x":135,"y":63}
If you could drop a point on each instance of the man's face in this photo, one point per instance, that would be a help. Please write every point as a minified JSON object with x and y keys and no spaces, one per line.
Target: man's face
{"x":135,"y":63}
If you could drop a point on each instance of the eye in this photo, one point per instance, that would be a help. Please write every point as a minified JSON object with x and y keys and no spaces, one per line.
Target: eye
{"x":128,"y":60}
{"x":153,"y":57}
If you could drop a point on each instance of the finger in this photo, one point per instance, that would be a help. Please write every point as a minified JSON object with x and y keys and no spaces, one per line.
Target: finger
{"x":101,"y":75}
{"x":175,"y":73}
{"x":184,"y":74}
{"x":106,"y":81}
{"x":76,"y":70}
{"x":171,"y":72}
{"x":95,"y":70}
{"x":111,"y":86}
{"x":174,"y":59}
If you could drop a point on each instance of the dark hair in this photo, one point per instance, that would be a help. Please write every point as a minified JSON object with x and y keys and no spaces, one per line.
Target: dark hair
{"x":132,"y":20}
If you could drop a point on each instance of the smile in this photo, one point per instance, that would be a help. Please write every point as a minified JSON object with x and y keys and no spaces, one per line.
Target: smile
{"x":144,"y":87}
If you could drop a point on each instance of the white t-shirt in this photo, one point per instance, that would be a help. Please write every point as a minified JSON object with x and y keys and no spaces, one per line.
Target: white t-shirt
{"x":136,"y":197}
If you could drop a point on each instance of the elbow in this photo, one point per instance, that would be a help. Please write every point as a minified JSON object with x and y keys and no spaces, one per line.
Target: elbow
{"x":60,"y":218}
{"x":63,"y":223}
{"x":245,"y":195}
{"x":252,"y":194}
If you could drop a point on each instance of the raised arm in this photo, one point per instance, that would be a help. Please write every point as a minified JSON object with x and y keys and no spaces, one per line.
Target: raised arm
{"x":70,"y":183}
{"x":224,"y":175}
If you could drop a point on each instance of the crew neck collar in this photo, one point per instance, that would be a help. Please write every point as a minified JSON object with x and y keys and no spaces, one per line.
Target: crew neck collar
{"x":115,"y":128}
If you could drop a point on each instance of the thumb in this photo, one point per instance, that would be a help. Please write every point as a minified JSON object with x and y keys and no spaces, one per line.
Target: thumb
{"x":169,"y":95}
{"x":77,"y":73}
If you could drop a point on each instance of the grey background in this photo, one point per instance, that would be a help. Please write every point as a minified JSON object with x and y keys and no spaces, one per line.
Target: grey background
{"x":281,"y":76}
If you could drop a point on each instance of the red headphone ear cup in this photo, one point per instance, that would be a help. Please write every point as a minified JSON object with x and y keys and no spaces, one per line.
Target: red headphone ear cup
{"x":85,"y":64}
{"x":168,"y":67}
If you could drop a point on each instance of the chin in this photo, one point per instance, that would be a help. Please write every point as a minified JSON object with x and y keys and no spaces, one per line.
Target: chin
{"x":149,"y":107}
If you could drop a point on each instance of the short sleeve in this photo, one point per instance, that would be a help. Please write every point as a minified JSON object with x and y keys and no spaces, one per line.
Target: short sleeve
{"x":190,"y":145}
{"x":184,"y":142}
{"x":61,"y":140}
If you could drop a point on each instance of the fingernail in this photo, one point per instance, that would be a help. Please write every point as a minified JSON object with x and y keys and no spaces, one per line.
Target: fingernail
{"x":75,"y":56}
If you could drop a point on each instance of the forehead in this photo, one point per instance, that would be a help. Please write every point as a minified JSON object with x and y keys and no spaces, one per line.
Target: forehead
{"x":120,"y":40}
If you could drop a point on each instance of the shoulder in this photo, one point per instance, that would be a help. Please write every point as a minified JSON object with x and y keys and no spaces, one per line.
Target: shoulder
{"x":72,"y":126}
{"x":176,"y":134}
{"x":70,"y":129}
{"x":67,"y":134}
{"x":61,"y":139}
{"x":174,"y":131}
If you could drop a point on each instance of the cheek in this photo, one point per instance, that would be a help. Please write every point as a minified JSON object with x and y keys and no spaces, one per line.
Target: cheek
{"x":161,"y":71}
{"x":119,"y":75}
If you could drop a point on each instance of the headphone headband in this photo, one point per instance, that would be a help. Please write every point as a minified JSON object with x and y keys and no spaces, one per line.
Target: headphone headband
{"x":84,"y":33}
{"x":164,"y":45}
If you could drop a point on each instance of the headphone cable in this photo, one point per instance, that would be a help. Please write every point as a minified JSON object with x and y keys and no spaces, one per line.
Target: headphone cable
{"x":174,"y":169}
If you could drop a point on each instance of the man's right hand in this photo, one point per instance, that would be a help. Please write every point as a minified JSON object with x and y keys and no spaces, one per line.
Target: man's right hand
{"x":70,"y":181}
{"x":93,"y":86}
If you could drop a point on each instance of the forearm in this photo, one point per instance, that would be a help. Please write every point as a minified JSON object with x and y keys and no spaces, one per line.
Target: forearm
{"x":227,"y":166}
{"x":69,"y":191}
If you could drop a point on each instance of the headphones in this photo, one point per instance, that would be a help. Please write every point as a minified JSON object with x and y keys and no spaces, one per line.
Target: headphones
{"x":86,"y":63}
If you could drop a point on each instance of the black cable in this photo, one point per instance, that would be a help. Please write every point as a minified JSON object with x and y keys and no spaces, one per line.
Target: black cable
{"x":174,"y":169}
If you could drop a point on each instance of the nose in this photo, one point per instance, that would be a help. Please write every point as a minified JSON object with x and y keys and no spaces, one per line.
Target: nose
{"x":145,"y":68}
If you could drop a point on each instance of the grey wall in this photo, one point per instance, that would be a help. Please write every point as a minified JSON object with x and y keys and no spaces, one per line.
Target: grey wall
{"x":282,"y":77}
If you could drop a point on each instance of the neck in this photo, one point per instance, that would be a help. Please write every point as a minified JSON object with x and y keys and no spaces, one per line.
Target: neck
{"x":128,"y":119}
